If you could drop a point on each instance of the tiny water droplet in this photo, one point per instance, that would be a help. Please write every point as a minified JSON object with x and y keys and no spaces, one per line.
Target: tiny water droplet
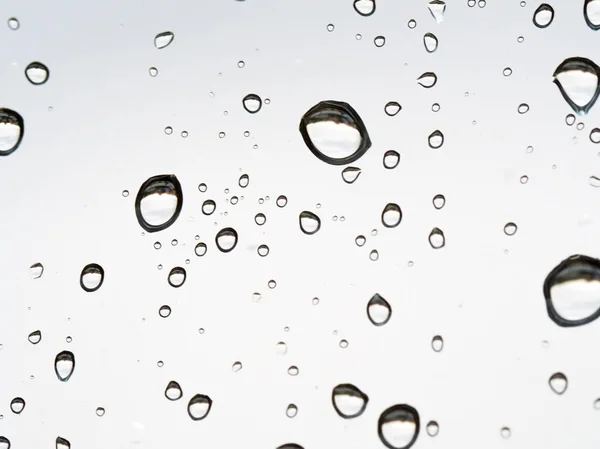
{"x":520,"y":39}
{"x":208,"y":207}
{"x":432,"y":428}
{"x":100,"y":411}
{"x":349,"y":401}
{"x":510,"y":228}
{"x":379,"y":311}
{"x":37,"y":73}
{"x":597,"y":404}
{"x":164,"y":311}
{"x":163,"y":40}
{"x":174,"y":242}
{"x":392,"y":108}
{"x":436,"y":238}
{"x":92,"y":277}
{"x":226,"y":239}
{"x":591,"y":13}
{"x":35,"y":337}
{"x":558,"y":383}
{"x":293,"y":370}
{"x":263,"y":250}
{"x":360,"y":240}
{"x":430,"y":41}
{"x":158,"y":202}
{"x":252,"y":103}
{"x":427,"y":80}
{"x":350,"y":174}
{"x":577,"y":79}
{"x":570,"y":119}
{"x":330,"y":27}
{"x":241,"y":64}
{"x":157,"y":245}
{"x":200,"y":249}
{"x":507,"y":71}
{"x":412,"y":24}
{"x":374,"y":255}
{"x":436,"y":139}
{"x":580,"y":126}
{"x":505,"y":433}
{"x":523,"y":108}
{"x":439,"y":201}
{"x":153,"y":71}
{"x":437,"y":343}
{"x":13,"y":23}
{"x":379,"y":41}
{"x":202,"y":187}
{"x":221,"y":135}
{"x":310,"y":223}
{"x":199,"y":407}
{"x":364,"y":7}
{"x":543,"y":16}
{"x":184,"y":134}
{"x":435,"y":107}
{"x":391,"y":215}
{"x":437,"y":8}
{"x":173,"y":391}
{"x":291,"y":411}
{"x":471,"y":3}
{"x":17,"y":405}
{"x":12,"y":129}
{"x":398,"y":426}
{"x":244,"y":181}
{"x":281,"y":201}
{"x":524,"y":179}
{"x":62,"y":443}
{"x":260,"y":219}
{"x":68,"y":339}
{"x":391,"y":159}
{"x":343,"y":344}
{"x":36,"y":271}
{"x":64,"y":365}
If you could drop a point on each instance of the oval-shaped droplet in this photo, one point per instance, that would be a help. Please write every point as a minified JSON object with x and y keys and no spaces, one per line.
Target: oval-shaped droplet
{"x":17,"y":405}
{"x":4,"y":443}
{"x":199,"y":407}
{"x":177,"y":277}
{"x":436,"y":139}
{"x":309,"y":223}
{"x":427,"y":79}
{"x":430,"y":41}
{"x":364,"y":7}
{"x":436,"y":238}
{"x":350,"y":174}
{"x":37,"y":73}
{"x":591,"y":13}
{"x":379,"y":41}
{"x":349,"y":401}
{"x":208,"y":207}
{"x":36,"y":271}
{"x":398,"y":426}
{"x":595,"y":135}
{"x":158,"y":202}
{"x":200,"y":249}
{"x":577,"y":79}
{"x":392,"y":108}
{"x":439,"y":201}
{"x":164,"y":311}
{"x":437,"y":343}
{"x":62,"y":443}
{"x":92,"y":277}
{"x":510,"y":228}
{"x":391,"y":216}
{"x":334,"y":132}
{"x":12,"y":129}
{"x":163,"y":40}
{"x":252,"y":103}
{"x":543,"y":15}
{"x":173,"y":391}
{"x":379,"y":311}
{"x":226,"y":239}
{"x":572,"y":291}
{"x":523,"y":108}
{"x":558,"y":383}
{"x":244,"y":181}
{"x":35,"y":337}
{"x":437,"y":8}
{"x":291,"y":410}
{"x":432,"y":428}
{"x":391,"y":159}
{"x":64,"y":365}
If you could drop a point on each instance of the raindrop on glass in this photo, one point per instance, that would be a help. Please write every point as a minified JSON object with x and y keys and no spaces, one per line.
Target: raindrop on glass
{"x":510,"y":228}
{"x":17,"y":405}
{"x":100,"y":411}
{"x":35,"y":337}
{"x":291,"y":411}
{"x":13,"y":23}
{"x":293,"y":370}
{"x":236,"y":367}
{"x":226,"y":239}
{"x":350,"y":174}
{"x":427,"y":79}
{"x":379,"y":41}
{"x":594,"y":181}
{"x":176,"y":277}
{"x":505,"y":433}
{"x":281,"y":201}
{"x":12,"y":128}
{"x":570,"y":119}
{"x":37,"y":73}
{"x":200,"y":249}
{"x":437,"y":8}
{"x":202,"y":187}
{"x":543,"y":16}
{"x":62,"y":443}
{"x":164,"y":311}
{"x":398,"y":426}
{"x":523,"y":108}
{"x":349,"y":401}
{"x":412,"y":24}
{"x":310,"y":223}
{"x":392,"y":108}
{"x":252,"y":103}
{"x":507,"y":71}
{"x":439,"y":201}
{"x":432,"y":428}
{"x":436,"y":139}
{"x":364,"y":7}
{"x":391,"y":159}
{"x":330,"y":27}
{"x":379,"y":311}
{"x":153,"y":71}
{"x":208,"y":207}
{"x":558,"y":383}
{"x":431,"y":42}
{"x":173,"y":391}
{"x":36,"y":271}
{"x":158,"y":202}
{"x":391,"y":216}
{"x":163,"y":40}
{"x":199,"y":407}
{"x":595,"y":135}
{"x":244,"y":181}
{"x":435,"y":107}
{"x":64,"y":365}
{"x":591,"y":13}
{"x":263,"y":250}
{"x":437,"y":343}
{"x":436,"y":238}
{"x":92,"y":277}
{"x":260,"y":219}
{"x":577,"y":80}
{"x":374,"y":255}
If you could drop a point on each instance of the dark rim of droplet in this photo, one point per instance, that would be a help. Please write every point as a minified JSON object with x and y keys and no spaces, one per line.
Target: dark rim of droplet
{"x":177,"y":270}
{"x":427,"y":75}
{"x":437,"y":231}
{"x":60,"y":441}
{"x":558,"y":376}
{"x":174,"y":386}
{"x":343,"y":109}
{"x":592,"y":25}
{"x":351,"y":171}
{"x":210,"y":204}
{"x":349,"y":390}
{"x":89,"y":269}
{"x":36,"y":336}
{"x":200,"y":249}
{"x":155,"y":181}
{"x":290,"y":446}
{"x":391,"y":154}
{"x":403,"y":410}
{"x":14,"y":118}
{"x":244,"y":181}
{"x":378,"y":300}
{"x":164,"y":311}
{"x":281,"y":201}
{"x":38,"y":66}
{"x":575,"y":267}
{"x":5,"y":441}
{"x":309,"y":215}
{"x":252,"y":97}
{"x":584,"y":65}
{"x":391,"y":207}
{"x":202,"y":399}
{"x":227,"y":232}
{"x":363,"y":14}
{"x":17,"y":401}
{"x":542,"y":8}
{"x":392,"y":105}
{"x":64,"y":356}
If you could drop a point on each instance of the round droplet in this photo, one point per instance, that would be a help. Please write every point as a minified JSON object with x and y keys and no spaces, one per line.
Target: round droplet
{"x":431,"y":42}
{"x":202,"y":187}
{"x":36,"y":271}
{"x":360,"y":240}
{"x":168,"y":130}
{"x":92,"y":277}
{"x":435,"y":107}
{"x":379,"y":41}
{"x":349,"y":401}
{"x":507,"y":71}
{"x":439,"y":201}
{"x":343,"y":344}
{"x":432,"y":428}
{"x":153,"y":71}
{"x":436,"y":139}
{"x":62,"y":443}
{"x":12,"y":129}
{"x":334,"y":132}
{"x":291,"y":411}
{"x":595,"y":135}
{"x":199,"y":407}
{"x":158,"y":202}
{"x":577,"y":79}
{"x":350,"y":174}
{"x":510,"y":228}
{"x":436,"y":238}
{"x":505,"y":433}
{"x":580,"y":126}
{"x":13,"y":23}
{"x":309,"y":223}
{"x":281,"y":201}
{"x":391,"y":215}
{"x":558,"y":383}
{"x":208,"y":207}
{"x":398,"y":426}
{"x":520,"y":39}
{"x":226,"y":239}
{"x":173,"y":391}
{"x":244,"y":181}
{"x":252,"y":103}
{"x":163,"y":40}
{"x":572,"y":291}
{"x":35,"y":337}
{"x":591,"y":13}
{"x":524,"y":179}
{"x":523,"y":108}
{"x":437,"y":8}
{"x":437,"y":343}
{"x":176,"y":277}
{"x":236,"y":367}
{"x":391,"y":159}
{"x":164,"y":311}
{"x":263,"y":250}
{"x":241,"y":64}
{"x":293,"y":370}
{"x":392,"y":108}
{"x":543,"y":16}
{"x":412,"y":24}
{"x":100,"y":411}
{"x":379,"y":311}
{"x":570,"y":119}
{"x":330,"y":27}
{"x":17,"y":405}
{"x":200,"y":249}
{"x":364,"y":7}
{"x":37,"y":73}
{"x":374,"y":255}
{"x":260,"y":219}
{"x":427,"y":79}
{"x":64,"y":365}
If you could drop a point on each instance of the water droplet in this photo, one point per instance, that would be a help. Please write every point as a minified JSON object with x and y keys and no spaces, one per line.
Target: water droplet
{"x":577,"y":80}
{"x":226,"y":239}
{"x":471,"y":3}
{"x":37,"y":73}
{"x":427,"y":79}
{"x":591,"y":13}
{"x":437,"y":8}
{"x":436,"y":139}
{"x":12,"y":129}
{"x":435,"y":107}
{"x":350,"y":174}
{"x":334,"y":132}
{"x":595,"y":135}
{"x":520,"y":39}
{"x":507,"y":71}
{"x":199,"y":407}
{"x":184,"y":134}
{"x":244,"y":181}
{"x":200,"y":249}
{"x":176,"y":277}
{"x":281,"y":201}
{"x":64,"y":365}
{"x":36,"y":271}
{"x":360,"y":240}
{"x":439,"y":201}
{"x":379,"y":310}
{"x":597,"y":404}
{"x":391,"y":159}
{"x":100,"y":411}
{"x":35,"y":337}
{"x":260,"y":219}
{"x":580,"y":126}
{"x":174,"y":242}
{"x":437,"y":343}
{"x":391,"y":215}
{"x":570,"y":119}
{"x":164,"y":311}
{"x":13,"y":23}
{"x":436,"y":238}
{"x":17,"y":405}
{"x":92,"y":277}
{"x":432,"y":428}
{"x":412,"y":24}
{"x":263,"y":250}
{"x":343,"y":344}
{"x":398,"y":426}
{"x":558,"y":383}
{"x":379,"y":41}
{"x":431,"y":42}
{"x":310,"y":223}
{"x":252,"y":103}
{"x":358,"y":37}
{"x":202,"y":187}
{"x":392,"y":108}
{"x":523,"y":108}
{"x":153,"y":71}
{"x":293,"y":370}
{"x":157,"y":245}
{"x":236,"y":367}
{"x":290,"y":446}
{"x":364,"y":7}
{"x":173,"y":391}
{"x":62,"y":443}
{"x":374,"y":255}
{"x":163,"y":40}
{"x":158,"y":202}
{"x":281,"y":348}
{"x":208,"y":207}
{"x":572,"y":291}
{"x":505,"y":433}
{"x":349,"y":401}
{"x":543,"y":16}
{"x":524,"y":179}
{"x":330,"y":27}
{"x":594,"y":181}
{"x":4,"y":442}
{"x":241,"y":64}
{"x":291,"y":411}
{"x":529,"y":149}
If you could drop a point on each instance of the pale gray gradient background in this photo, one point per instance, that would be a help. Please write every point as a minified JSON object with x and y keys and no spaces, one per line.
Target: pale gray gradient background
{"x":62,"y":206}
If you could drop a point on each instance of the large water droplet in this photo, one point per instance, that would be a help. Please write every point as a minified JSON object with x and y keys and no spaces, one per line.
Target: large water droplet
{"x":349,"y":401}
{"x":226,"y":239}
{"x":12,"y":129}
{"x":391,"y":159}
{"x":543,"y":15}
{"x":177,"y":277}
{"x":436,"y":238}
{"x":379,"y":310}
{"x":392,"y":108}
{"x":173,"y":391}
{"x":364,"y":7}
{"x":309,"y":223}
{"x":158,"y":202}
{"x":436,"y":139}
{"x":37,"y":73}
{"x":558,"y":383}
{"x":4,"y":443}
{"x":431,"y":42}
{"x":36,"y":271}
{"x":391,"y":215}
{"x":437,"y":8}
{"x":350,"y":174}
{"x":62,"y":443}
{"x":334,"y":132}
{"x":577,"y":79}
{"x":252,"y":103}
{"x":591,"y":13}
{"x":64,"y":365}
{"x":427,"y":79}
{"x":17,"y":405}
{"x":163,"y":40}
{"x":199,"y":407}
{"x":398,"y":426}
{"x":35,"y":337}
{"x":572,"y":291}
{"x":92,"y":277}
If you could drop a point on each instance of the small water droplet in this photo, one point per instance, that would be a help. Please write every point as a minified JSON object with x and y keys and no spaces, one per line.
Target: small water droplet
{"x":360,"y":240}
{"x":349,"y":401}
{"x":373,"y":232}
{"x":558,"y":383}
{"x":507,"y":71}
{"x":37,"y":73}
{"x":176,"y":277}
{"x":164,"y":311}
{"x":379,"y":311}
{"x":543,"y":16}
{"x":291,"y":411}
{"x":427,"y":79}
{"x":36,"y":271}
{"x":241,"y":64}
{"x":17,"y":405}
{"x":157,"y":245}
{"x":432,"y":428}
{"x":570,"y":119}
{"x":594,"y":181}
{"x":35,"y":337}
{"x":431,"y":42}
{"x":226,"y":239}
{"x":391,"y":159}
{"x":310,"y":223}
{"x":163,"y":40}
{"x":173,"y":391}
{"x":244,"y":181}
{"x":392,"y":108}
{"x":281,"y":348}
{"x":184,"y":134}
{"x":437,"y":343}
{"x":12,"y":129}
{"x":199,"y":407}
{"x":398,"y":426}
{"x":520,"y":39}
{"x":252,"y":103}
{"x":330,"y":27}
{"x":64,"y":365}
{"x":412,"y":24}
{"x":236,"y":367}
{"x":364,"y":7}
{"x":505,"y":433}
{"x":100,"y":411}
{"x":153,"y":71}
{"x":13,"y":23}
{"x":281,"y":201}
{"x":580,"y":126}
{"x":374,"y":255}
{"x":260,"y":219}
{"x":174,"y":242}
{"x":595,"y":135}
{"x":293,"y":370}
{"x":439,"y":201}
{"x":523,"y":108}
{"x":221,"y":135}
{"x":200,"y":249}
{"x":437,"y":8}
{"x":62,"y":443}
{"x":436,"y":139}
{"x":510,"y":228}
{"x":471,"y":3}
{"x":350,"y":174}
{"x":597,"y":404}
{"x":208,"y":207}
{"x":524,"y":179}
{"x":263,"y":250}
{"x":435,"y":107}
{"x":391,"y":215}
{"x":379,"y":41}
{"x":577,"y":80}
{"x":591,"y":13}
{"x":92,"y":277}
{"x":158,"y":202}
{"x":436,"y":238}
{"x":125,"y":193}
{"x":202,"y":187}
